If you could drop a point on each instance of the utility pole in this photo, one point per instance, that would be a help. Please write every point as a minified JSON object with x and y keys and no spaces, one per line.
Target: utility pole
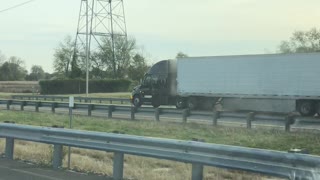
{"x":99,"y":20}
{"x":87,"y":48}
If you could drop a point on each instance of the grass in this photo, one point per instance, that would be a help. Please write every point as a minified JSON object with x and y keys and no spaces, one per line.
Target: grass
{"x":99,"y":162}
{"x":148,"y":168}
{"x":5,"y":95}
{"x":255,"y":138}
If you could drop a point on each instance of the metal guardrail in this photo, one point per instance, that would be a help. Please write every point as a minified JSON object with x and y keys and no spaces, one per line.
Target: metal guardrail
{"x":157,"y":113}
{"x":274,"y":163}
{"x":66,"y":98}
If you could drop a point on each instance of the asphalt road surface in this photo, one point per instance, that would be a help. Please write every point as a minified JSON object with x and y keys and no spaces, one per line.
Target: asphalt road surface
{"x":14,"y":170}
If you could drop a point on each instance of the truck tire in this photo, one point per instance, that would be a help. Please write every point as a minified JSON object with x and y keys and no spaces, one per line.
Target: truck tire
{"x":180,"y":103}
{"x":306,"y":108}
{"x":137,"y":101}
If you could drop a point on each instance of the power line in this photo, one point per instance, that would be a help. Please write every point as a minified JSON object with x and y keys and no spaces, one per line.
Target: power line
{"x":18,"y":5}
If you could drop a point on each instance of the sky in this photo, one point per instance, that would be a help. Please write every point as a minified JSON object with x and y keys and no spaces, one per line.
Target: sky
{"x":161,"y":28}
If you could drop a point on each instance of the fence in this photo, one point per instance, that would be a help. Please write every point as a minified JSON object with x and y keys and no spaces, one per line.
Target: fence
{"x":274,"y":163}
{"x":157,"y":113}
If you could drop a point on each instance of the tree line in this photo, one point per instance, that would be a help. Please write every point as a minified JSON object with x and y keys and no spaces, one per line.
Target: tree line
{"x":13,"y":69}
{"x":302,"y":42}
{"x":128,"y":62}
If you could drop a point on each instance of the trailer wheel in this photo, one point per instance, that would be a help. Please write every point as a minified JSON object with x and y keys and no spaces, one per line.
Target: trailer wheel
{"x":137,"y":101}
{"x":306,"y":108}
{"x":192,"y":103}
{"x":180,"y":103}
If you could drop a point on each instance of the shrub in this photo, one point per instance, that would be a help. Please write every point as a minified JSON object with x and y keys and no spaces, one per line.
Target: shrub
{"x":78,"y":86}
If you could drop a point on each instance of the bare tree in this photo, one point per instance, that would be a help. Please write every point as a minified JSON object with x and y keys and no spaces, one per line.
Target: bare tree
{"x":124,"y":51}
{"x":63,"y":57}
{"x":302,"y":41}
{"x":138,"y":67}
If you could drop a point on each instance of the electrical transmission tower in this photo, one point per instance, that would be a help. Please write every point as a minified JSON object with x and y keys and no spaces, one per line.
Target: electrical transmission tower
{"x":105,"y":20}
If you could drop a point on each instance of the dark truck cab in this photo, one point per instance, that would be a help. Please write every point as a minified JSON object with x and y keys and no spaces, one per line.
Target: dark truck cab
{"x":157,"y":86}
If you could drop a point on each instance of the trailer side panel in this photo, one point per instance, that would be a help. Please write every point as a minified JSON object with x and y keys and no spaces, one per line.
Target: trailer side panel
{"x":281,"y":75}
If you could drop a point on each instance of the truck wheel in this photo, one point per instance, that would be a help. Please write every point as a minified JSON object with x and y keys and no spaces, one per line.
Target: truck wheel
{"x":137,"y":101}
{"x":192,"y":103}
{"x":180,"y":103}
{"x":306,"y":108}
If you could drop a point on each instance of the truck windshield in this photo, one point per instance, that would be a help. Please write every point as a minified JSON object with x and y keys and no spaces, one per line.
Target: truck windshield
{"x":147,"y":79}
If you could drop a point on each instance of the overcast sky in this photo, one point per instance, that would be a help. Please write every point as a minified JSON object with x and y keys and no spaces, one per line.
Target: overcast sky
{"x":161,"y":27}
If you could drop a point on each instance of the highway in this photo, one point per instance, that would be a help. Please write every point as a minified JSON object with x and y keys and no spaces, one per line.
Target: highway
{"x":177,"y":118}
{"x":11,"y":170}
{"x":15,"y":170}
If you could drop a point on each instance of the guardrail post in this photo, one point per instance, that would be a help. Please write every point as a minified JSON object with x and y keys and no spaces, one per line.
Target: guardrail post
{"x":57,"y":156}
{"x":118,"y":166}
{"x":37,"y":106}
{"x":157,"y":114}
{"x":185,"y":114}
{"x":9,"y":102}
{"x":53,"y":107}
{"x":23,"y":103}
{"x":9,"y":148}
{"x":110,"y":101}
{"x":133,"y":111}
{"x":289,"y":120}
{"x":197,"y":172}
{"x":110,"y":110}
{"x":215,"y":117}
{"x":90,"y":108}
{"x":250,"y":118}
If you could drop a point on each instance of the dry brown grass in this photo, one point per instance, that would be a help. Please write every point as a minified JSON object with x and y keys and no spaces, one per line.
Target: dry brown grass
{"x":135,"y":167}
{"x":19,"y":86}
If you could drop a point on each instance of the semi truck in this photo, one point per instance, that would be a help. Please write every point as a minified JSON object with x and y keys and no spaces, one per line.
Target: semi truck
{"x":270,"y":82}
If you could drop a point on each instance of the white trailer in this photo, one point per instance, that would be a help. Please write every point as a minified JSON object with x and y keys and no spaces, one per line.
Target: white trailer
{"x":276,"y":82}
